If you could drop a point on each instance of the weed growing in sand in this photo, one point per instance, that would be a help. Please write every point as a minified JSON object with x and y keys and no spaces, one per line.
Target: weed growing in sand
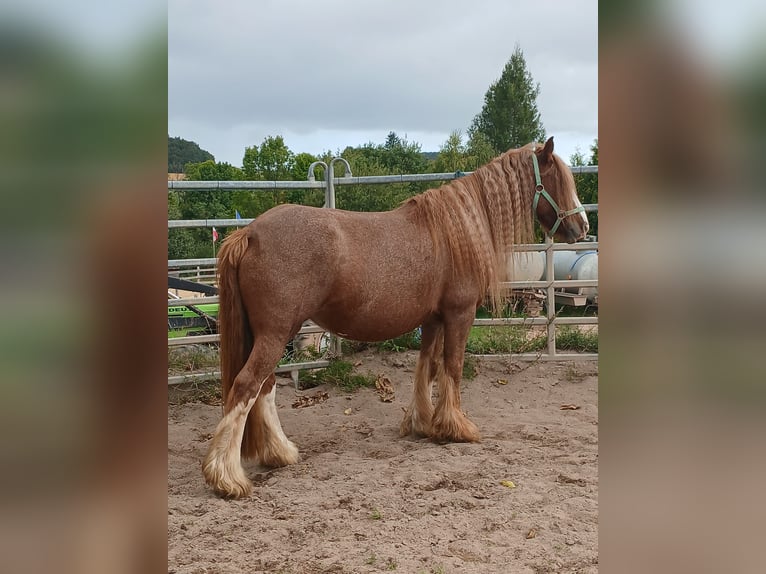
{"x":375,"y":514}
{"x":493,"y":340}
{"x":391,"y":564}
{"x":470,"y":367}
{"x":409,"y":340}
{"x":338,"y":373}
{"x":573,"y":339}
{"x":192,"y":357}
{"x":371,"y":559}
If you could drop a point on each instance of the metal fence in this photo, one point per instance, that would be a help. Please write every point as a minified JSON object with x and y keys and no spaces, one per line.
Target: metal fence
{"x":204,"y":269}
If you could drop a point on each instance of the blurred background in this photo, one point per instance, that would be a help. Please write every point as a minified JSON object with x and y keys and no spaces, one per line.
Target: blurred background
{"x":682,"y":87}
{"x":83,"y":95}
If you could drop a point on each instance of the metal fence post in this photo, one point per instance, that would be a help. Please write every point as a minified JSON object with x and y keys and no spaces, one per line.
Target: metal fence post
{"x":551,"y":296}
{"x":329,"y":202}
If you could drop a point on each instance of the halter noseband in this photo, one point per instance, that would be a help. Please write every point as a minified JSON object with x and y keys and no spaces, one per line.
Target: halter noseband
{"x":540,"y":190}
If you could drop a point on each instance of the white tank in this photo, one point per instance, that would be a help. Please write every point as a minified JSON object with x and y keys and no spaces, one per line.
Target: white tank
{"x":528,"y":266}
{"x":579,"y":266}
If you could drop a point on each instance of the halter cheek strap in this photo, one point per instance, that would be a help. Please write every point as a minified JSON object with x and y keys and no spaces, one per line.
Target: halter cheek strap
{"x":540,"y":190}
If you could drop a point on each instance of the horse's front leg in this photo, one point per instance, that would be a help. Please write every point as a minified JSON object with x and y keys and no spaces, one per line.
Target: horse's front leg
{"x":449,"y":424}
{"x":417,"y":418}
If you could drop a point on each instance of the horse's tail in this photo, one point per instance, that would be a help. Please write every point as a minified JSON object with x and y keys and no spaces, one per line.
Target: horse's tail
{"x":236,"y":335}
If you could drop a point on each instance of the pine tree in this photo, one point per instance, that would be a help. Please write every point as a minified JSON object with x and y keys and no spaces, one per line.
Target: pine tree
{"x":509,"y":118}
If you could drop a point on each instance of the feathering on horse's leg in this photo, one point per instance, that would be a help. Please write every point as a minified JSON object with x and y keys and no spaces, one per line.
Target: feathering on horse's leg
{"x":449,"y":423}
{"x":417,"y":418}
{"x":222,"y":466}
{"x":272,"y":446}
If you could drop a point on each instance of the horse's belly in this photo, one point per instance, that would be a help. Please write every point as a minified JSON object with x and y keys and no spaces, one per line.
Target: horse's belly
{"x":372,"y":322}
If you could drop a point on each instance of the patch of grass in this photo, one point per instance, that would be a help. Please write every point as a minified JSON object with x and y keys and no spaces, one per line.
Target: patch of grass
{"x":339,"y":373}
{"x":192,"y":358}
{"x":572,"y":339}
{"x":470,"y":370}
{"x":371,"y":559}
{"x":510,"y":339}
{"x":375,"y":514}
{"x":391,"y":564}
{"x":409,"y":340}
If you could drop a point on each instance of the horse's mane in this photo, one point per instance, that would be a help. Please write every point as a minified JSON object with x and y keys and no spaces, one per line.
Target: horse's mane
{"x":475,"y":220}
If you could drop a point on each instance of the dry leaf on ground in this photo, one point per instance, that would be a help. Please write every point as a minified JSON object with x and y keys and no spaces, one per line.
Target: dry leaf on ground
{"x":385,"y":389}
{"x":310,"y":400}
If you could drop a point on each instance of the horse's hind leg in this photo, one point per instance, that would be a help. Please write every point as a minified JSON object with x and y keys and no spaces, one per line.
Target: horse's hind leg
{"x":273,"y":448}
{"x":417,"y":418}
{"x":222,"y":467}
{"x":449,"y":424}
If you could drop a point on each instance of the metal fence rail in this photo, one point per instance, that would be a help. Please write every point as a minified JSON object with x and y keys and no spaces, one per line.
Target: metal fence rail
{"x":205,"y":267}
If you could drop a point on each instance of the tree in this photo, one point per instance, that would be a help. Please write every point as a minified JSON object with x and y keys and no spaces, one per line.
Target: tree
{"x":212,"y":171}
{"x":198,"y":204}
{"x":453,"y":154}
{"x":181,"y":152}
{"x":401,"y":156}
{"x":509,"y":118}
{"x":479,"y":150}
{"x":273,"y":160}
{"x":587,"y":184}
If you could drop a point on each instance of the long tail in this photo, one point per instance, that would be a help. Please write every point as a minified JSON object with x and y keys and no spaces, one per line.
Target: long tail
{"x":236,"y":335}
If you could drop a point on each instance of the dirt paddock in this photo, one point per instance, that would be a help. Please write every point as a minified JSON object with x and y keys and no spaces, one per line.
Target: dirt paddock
{"x":362,"y":499}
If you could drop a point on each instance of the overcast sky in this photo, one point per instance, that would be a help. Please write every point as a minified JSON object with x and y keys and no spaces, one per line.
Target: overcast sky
{"x":326,"y":74}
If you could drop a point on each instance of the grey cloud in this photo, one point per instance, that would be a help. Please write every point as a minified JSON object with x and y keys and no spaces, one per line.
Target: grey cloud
{"x":373,"y":65}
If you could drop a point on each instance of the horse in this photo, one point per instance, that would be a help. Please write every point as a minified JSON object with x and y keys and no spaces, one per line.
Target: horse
{"x":430,"y":262}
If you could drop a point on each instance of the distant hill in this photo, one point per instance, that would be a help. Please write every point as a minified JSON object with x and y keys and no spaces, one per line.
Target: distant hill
{"x":181,"y":152}
{"x":429,"y":155}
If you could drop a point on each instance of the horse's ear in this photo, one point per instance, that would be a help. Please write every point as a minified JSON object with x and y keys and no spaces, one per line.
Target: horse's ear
{"x":545,"y":155}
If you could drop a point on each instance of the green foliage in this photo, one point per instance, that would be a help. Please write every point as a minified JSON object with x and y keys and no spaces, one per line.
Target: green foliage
{"x":212,"y":171}
{"x":518,"y":339}
{"x":478,"y":148}
{"x":181,"y":152}
{"x":587,"y":184}
{"x":453,"y":154}
{"x":193,"y":204}
{"x":271,"y":161}
{"x":409,"y":340}
{"x":573,"y":339}
{"x":509,"y":118}
{"x":396,"y":156}
{"x":338,"y":373}
{"x":470,"y":367}
{"x":511,"y":339}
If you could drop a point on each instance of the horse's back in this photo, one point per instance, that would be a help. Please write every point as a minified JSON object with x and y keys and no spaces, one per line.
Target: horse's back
{"x":345,"y":270}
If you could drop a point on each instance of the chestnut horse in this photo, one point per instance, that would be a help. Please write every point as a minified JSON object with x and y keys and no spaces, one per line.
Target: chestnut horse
{"x":373,"y":276}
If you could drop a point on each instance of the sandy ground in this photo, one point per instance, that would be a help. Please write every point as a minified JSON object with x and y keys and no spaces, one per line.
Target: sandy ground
{"x":365,"y":500}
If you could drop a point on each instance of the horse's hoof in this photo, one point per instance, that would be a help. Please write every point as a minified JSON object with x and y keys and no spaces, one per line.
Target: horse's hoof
{"x":454,"y":428}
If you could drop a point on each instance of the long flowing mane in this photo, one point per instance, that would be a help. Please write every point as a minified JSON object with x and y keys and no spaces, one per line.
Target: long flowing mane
{"x":474,"y":221}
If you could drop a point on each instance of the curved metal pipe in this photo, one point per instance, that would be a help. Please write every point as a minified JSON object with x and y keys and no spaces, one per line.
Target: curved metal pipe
{"x":311,"y":176}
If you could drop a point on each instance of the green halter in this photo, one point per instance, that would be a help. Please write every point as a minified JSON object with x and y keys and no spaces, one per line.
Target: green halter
{"x":540,"y":190}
